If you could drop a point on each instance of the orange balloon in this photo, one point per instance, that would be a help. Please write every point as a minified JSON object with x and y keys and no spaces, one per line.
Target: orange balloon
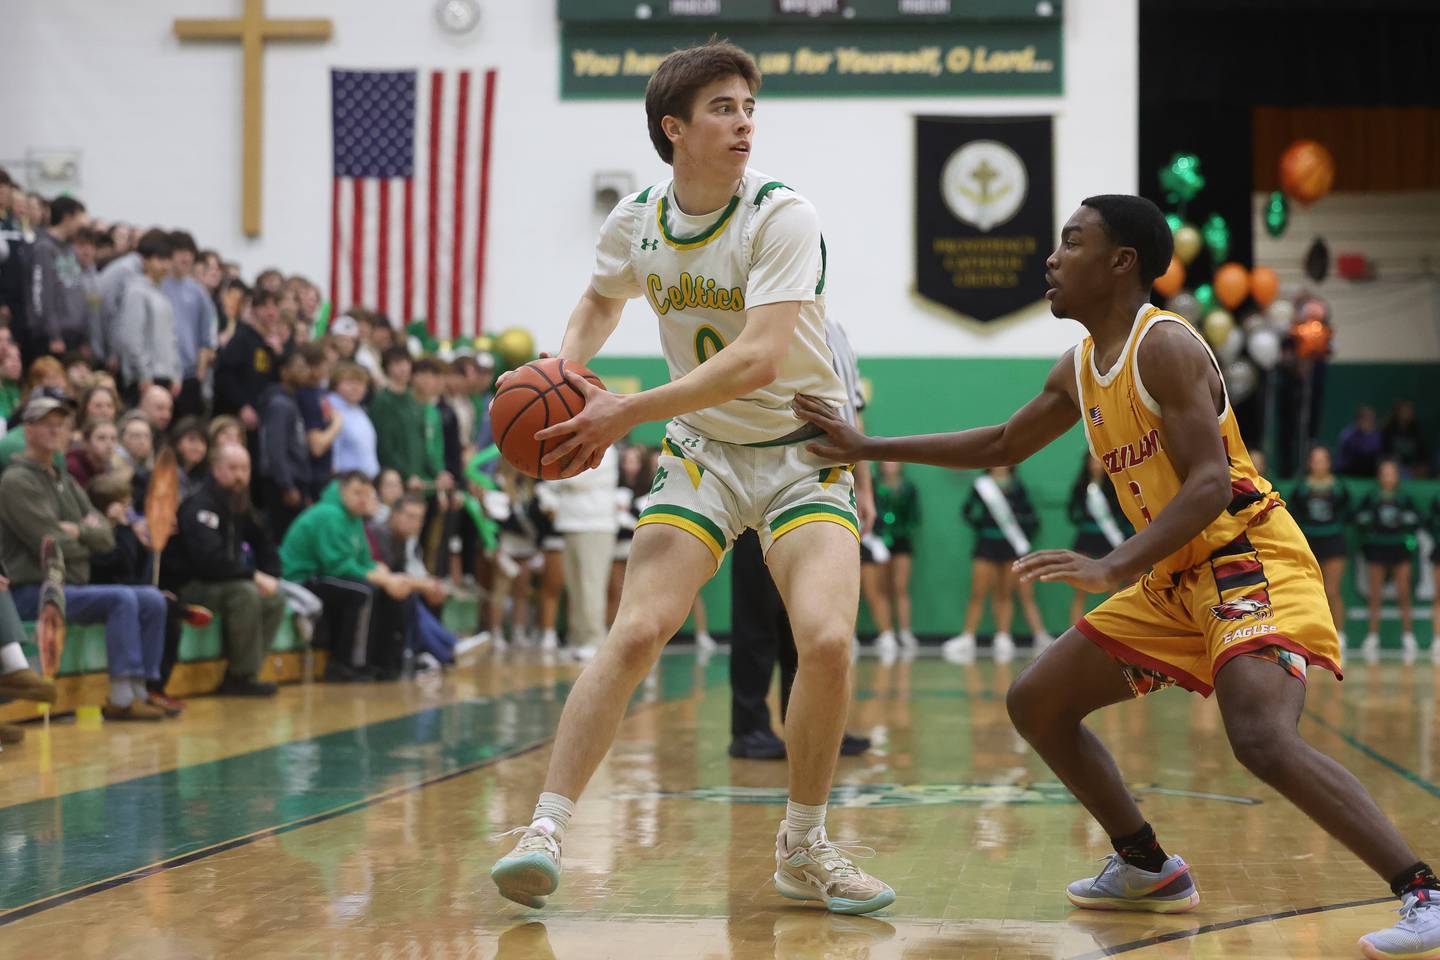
{"x":1307,"y":171}
{"x":1232,"y":285}
{"x":1169,"y":283}
{"x":1264,"y":286}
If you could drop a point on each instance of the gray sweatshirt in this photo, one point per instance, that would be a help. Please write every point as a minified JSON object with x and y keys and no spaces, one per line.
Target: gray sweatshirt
{"x":143,"y":336}
{"x":57,"y":295}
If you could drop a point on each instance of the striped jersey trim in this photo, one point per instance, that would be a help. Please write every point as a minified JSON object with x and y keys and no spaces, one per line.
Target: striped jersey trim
{"x":700,"y":239}
{"x":812,"y":513}
{"x":696,"y":523}
{"x":765,"y":190}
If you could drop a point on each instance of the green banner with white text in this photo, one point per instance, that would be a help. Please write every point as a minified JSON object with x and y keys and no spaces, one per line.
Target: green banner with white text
{"x":823,"y":59}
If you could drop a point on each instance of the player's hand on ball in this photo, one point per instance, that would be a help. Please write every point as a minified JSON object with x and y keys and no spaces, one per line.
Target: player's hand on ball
{"x":589,"y":433}
{"x":500,"y":380}
{"x":1067,"y":566}
{"x":842,"y":443}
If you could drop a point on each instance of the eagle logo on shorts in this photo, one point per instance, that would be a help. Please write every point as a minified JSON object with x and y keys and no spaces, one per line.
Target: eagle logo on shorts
{"x":1240,"y":608}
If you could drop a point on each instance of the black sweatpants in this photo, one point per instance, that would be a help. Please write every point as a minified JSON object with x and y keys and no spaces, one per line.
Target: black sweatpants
{"x":760,"y":635}
{"x":344,"y":619}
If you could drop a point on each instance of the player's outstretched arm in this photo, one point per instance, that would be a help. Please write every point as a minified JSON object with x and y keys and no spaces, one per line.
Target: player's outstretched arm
{"x":1029,"y":429}
{"x":1180,"y":376}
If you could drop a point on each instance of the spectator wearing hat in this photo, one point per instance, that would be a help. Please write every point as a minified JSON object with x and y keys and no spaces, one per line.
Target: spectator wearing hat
{"x":37,"y":501}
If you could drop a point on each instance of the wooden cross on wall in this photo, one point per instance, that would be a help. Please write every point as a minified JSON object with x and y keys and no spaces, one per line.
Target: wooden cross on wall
{"x":252,"y":29}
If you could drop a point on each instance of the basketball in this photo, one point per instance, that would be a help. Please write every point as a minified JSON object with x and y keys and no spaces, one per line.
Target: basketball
{"x":1307,"y":171}
{"x":536,"y":396}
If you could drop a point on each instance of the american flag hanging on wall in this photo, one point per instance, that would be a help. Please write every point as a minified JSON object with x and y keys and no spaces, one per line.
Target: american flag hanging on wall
{"x":410,"y":195}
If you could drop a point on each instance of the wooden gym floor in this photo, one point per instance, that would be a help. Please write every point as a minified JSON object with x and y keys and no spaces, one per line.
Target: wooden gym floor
{"x":353,"y":822}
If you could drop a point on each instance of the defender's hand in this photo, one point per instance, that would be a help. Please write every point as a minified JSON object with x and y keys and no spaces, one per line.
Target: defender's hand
{"x":1067,"y":566}
{"x":842,"y":443}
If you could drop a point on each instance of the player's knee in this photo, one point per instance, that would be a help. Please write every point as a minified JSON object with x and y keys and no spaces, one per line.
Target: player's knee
{"x":637,"y":639}
{"x":1262,"y":750}
{"x":829,"y":650}
{"x":1032,"y":709}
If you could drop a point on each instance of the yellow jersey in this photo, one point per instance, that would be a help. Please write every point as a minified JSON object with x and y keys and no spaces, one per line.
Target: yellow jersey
{"x":1124,"y":430}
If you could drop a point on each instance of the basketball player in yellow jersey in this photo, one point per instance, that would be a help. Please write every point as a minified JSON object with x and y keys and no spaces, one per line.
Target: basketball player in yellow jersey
{"x":1224,"y":593}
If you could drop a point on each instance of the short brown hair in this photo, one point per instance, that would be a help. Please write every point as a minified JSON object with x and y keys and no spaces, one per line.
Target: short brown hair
{"x":108,"y":488}
{"x":346,"y":370}
{"x":672,"y":88}
{"x":428,"y":365}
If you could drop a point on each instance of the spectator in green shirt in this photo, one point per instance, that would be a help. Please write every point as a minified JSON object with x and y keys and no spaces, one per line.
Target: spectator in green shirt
{"x":399,"y":422}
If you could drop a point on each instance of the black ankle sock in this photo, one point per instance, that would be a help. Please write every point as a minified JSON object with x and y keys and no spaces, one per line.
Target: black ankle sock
{"x":1141,"y":849}
{"x":1415,"y":877}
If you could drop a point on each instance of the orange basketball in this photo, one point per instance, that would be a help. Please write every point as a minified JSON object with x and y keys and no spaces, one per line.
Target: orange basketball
{"x":534,"y":397}
{"x":1307,"y":171}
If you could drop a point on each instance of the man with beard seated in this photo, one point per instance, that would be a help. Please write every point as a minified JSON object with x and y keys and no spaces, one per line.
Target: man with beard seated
{"x":231,"y":566}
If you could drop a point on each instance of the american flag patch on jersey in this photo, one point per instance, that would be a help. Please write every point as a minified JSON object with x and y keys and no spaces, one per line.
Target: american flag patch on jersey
{"x":1096,"y":419}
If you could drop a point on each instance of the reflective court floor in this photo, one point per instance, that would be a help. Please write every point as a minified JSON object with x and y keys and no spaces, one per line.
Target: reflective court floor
{"x":338,"y":822}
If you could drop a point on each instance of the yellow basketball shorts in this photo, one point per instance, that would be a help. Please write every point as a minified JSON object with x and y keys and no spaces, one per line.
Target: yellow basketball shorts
{"x":1260,"y":595}
{"x":716,"y":490}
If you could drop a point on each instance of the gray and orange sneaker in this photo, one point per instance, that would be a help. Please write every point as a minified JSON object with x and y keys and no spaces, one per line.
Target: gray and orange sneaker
{"x":819,"y":869}
{"x":1122,"y":886}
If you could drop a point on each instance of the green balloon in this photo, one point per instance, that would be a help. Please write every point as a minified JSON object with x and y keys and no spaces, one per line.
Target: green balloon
{"x":1181,"y":178}
{"x":1217,"y":238}
{"x":1205,"y":293}
{"x":1277,"y":213}
{"x":1174,"y":221}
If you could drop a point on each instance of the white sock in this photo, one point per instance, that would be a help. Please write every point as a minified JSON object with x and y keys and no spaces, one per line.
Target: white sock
{"x":137,"y":685}
{"x":12,"y":658}
{"x":120,"y":693}
{"x":553,"y":812}
{"x":800,"y":819}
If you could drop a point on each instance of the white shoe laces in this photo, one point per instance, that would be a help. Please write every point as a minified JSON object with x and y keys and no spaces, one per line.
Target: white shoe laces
{"x":532,"y":840}
{"x":835,"y":856}
{"x":1411,"y":909}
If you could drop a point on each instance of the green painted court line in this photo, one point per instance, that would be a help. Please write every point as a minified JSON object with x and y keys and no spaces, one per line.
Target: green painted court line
{"x":1375,"y":755}
{"x":79,"y":839}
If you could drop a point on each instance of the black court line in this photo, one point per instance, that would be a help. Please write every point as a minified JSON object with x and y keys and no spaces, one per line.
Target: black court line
{"x":1134,"y":945}
{"x":79,"y":893}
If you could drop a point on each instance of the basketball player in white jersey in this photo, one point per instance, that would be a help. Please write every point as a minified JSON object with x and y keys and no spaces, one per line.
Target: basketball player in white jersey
{"x":733,"y":265}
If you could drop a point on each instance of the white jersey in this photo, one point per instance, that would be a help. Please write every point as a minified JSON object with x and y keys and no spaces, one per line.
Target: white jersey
{"x":700,"y":275}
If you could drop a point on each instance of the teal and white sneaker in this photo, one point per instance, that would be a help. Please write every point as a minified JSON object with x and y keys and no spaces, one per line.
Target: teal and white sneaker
{"x":1415,"y":937}
{"x":531,"y":872}
{"x":819,"y":869}
{"x":1120,"y":886}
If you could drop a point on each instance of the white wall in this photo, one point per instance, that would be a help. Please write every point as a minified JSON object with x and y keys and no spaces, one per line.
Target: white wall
{"x":159,"y":127}
{"x":1394,"y":318}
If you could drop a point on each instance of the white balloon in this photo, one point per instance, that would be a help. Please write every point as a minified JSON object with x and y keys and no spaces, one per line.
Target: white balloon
{"x":1281,"y":314}
{"x":1265,"y":348}
{"x":1256,"y":321}
{"x":1230,"y":350}
{"x":1185,"y":304}
{"x":1241,"y":379}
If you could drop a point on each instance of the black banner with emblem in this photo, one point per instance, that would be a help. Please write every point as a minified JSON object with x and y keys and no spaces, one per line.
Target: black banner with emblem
{"x":984,"y":212}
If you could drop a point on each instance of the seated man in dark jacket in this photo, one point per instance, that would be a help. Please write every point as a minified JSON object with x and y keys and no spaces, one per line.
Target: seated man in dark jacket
{"x":229,"y":564}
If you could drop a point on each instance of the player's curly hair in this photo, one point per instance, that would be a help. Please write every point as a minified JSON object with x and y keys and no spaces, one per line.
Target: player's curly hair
{"x":1132,"y":221}
{"x":680,"y":76}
